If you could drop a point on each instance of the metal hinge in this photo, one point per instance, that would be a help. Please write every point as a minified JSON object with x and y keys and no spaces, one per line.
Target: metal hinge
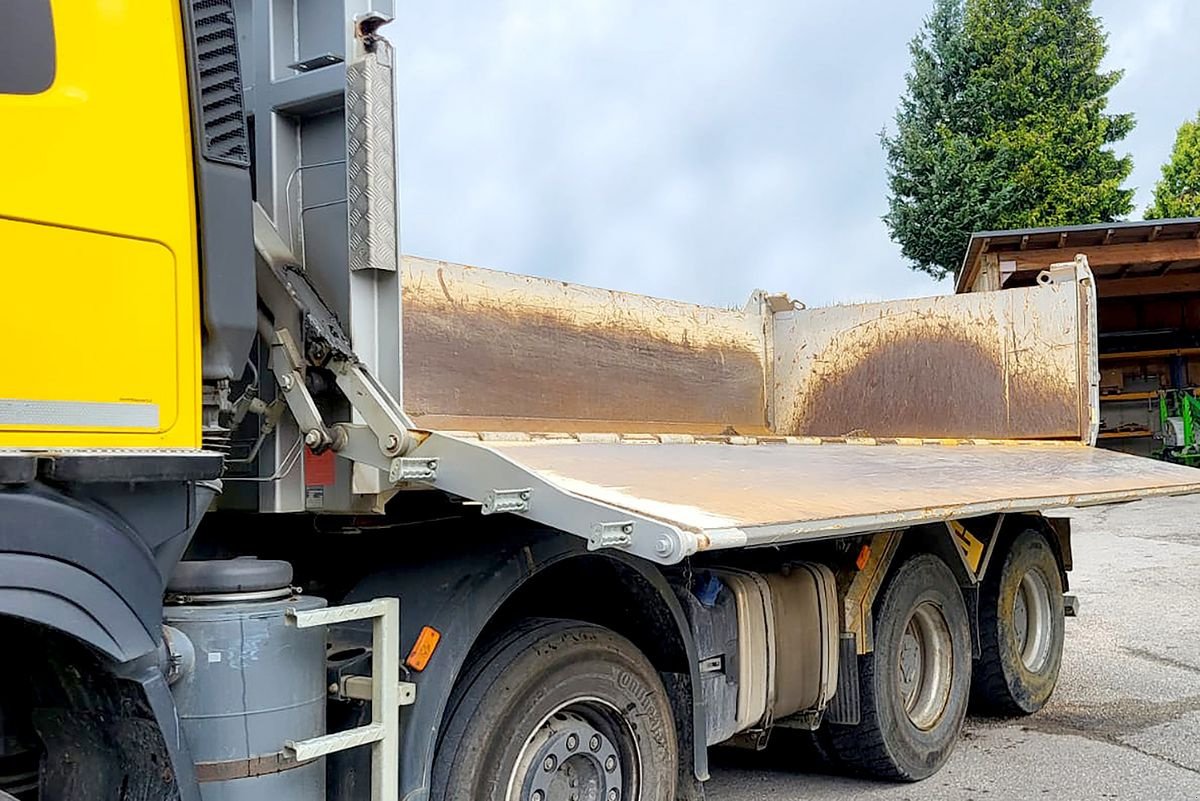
{"x":413,"y":468}
{"x":611,"y":535}
{"x":512,"y":500}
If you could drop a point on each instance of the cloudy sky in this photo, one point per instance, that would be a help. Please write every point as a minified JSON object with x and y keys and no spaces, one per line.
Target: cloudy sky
{"x":698,"y":149}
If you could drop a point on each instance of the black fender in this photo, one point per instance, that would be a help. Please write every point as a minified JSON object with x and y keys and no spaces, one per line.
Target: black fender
{"x":73,"y":566}
{"x":458,"y":595}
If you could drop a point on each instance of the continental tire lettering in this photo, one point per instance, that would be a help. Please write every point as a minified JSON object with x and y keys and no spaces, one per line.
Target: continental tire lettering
{"x":646,"y":706}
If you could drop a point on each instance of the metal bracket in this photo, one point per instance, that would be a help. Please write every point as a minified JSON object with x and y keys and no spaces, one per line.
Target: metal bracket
{"x":387,"y":694}
{"x":860,"y":595}
{"x":288,"y":366}
{"x":1064,"y":273}
{"x":409,"y":468}
{"x":362,"y":688}
{"x":611,"y":535}
{"x":510,"y":500}
{"x":380,"y":411}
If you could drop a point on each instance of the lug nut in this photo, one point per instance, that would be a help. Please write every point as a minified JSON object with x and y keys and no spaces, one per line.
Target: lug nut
{"x":594,"y":743}
{"x":613,"y":794}
{"x":537,"y":795}
{"x":572,"y":742}
{"x":550,"y":764}
{"x":610,"y":764}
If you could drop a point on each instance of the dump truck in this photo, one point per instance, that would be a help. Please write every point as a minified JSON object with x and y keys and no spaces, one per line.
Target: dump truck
{"x":286,"y":514}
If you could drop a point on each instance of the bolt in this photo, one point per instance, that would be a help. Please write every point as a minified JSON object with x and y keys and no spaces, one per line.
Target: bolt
{"x":525,"y":495}
{"x":431,"y":464}
{"x":333,"y":688}
{"x":537,"y":795}
{"x":286,"y":382}
{"x":572,"y":742}
{"x":610,"y":764}
{"x":391,"y":443}
{"x":550,"y":764}
{"x":613,"y":794}
{"x":312,"y":438}
{"x":627,"y":528}
{"x":662,"y":547}
{"x":594,"y":743}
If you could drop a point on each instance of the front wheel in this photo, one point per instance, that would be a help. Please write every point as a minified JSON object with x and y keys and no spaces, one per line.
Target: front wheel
{"x":915,"y":685}
{"x":558,"y":710}
{"x":1021,"y":629}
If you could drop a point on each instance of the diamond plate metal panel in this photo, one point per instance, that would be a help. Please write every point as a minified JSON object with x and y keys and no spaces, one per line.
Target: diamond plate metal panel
{"x":370,"y":161}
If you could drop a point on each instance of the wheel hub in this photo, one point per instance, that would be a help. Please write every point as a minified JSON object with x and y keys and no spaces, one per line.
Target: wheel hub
{"x":568,"y":759}
{"x":1032,"y":620}
{"x":925,"y":666}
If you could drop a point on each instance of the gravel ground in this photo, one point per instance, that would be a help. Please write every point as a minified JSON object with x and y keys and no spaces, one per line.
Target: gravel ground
{"x":1125,"y":720}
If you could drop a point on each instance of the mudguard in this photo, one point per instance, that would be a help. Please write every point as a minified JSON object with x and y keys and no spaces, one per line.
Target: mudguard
{"x":458,"y":595}
{"x":73,"y":566}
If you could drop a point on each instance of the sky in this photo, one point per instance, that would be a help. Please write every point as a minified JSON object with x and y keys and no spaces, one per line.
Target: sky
{"x":697,"y":149}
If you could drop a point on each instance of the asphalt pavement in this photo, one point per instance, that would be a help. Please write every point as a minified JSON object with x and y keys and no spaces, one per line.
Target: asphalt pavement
{"x":1124,"y":722}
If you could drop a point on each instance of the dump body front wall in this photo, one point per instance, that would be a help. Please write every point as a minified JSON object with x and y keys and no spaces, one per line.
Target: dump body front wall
{"x":493,"y":351}
{"x":1001,"y":365}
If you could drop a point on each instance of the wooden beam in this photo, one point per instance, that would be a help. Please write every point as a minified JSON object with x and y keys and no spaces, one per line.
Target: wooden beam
{"x":1110,"y":255}
{"x":1150,"y":285}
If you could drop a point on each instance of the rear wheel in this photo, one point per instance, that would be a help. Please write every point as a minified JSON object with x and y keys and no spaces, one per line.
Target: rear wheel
{"x":1021,"y":629}
{"x":915,"y":685}
{"x":558,"y":710}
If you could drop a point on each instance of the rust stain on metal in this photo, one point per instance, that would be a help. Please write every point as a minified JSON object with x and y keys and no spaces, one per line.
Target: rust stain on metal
{"x":936,"y":376}
{"x":496,"y":351}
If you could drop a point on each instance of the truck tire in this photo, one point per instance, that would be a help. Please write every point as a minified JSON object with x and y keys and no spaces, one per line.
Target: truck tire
{"x":1021,"y":629}
{"x":916,"y":685}
{"x":556,"y":710}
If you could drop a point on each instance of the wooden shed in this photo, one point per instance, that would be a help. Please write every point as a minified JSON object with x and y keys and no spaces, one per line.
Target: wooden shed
{"x":1148,"y":285}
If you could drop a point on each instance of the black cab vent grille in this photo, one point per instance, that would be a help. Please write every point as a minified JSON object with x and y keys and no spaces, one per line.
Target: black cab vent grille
{"x":219,"y":82}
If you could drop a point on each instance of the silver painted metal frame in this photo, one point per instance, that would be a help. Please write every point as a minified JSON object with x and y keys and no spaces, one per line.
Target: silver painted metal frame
{"x":388,"y":694}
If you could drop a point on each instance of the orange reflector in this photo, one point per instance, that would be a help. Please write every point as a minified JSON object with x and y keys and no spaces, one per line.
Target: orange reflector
{"x":864,"y":554}
{"x":423,"y":648}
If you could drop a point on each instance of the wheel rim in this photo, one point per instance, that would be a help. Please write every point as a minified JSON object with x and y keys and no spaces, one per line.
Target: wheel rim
{"x":1032,"y":622}
{"x":582,"y":751}
{"x":925,"y":666}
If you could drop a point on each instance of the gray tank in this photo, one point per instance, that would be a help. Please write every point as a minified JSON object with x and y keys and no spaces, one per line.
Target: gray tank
{"x":244,"y":680}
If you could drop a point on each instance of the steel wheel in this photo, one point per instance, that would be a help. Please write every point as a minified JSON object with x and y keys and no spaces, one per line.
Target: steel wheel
{"x":925,"y":666}
{"x":914,"y":685}
{"x":583,"y":751}
{"x":557,"y":710}
{"x":1021,"y":628}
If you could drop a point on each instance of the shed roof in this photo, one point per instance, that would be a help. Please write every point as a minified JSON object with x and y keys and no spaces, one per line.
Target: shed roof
{"x":1127,"y":250}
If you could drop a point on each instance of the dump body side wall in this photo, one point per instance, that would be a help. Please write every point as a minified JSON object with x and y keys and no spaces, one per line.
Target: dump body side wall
{"x":493,"y":351}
